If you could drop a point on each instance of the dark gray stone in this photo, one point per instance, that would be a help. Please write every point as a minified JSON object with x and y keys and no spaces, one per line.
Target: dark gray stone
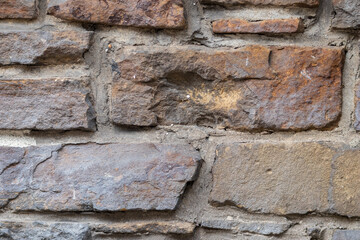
{"x":43,"y":47}
{"x":44,"y":231}
{"x":347,"y":14}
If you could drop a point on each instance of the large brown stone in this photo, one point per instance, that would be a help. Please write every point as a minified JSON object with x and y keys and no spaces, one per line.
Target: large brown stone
{"x":46,"y":104}
{"x":143,"y":13}
{"x":18,"y":9}
{"x":250,"y":88}
{"x":42,"y":231}
{"x":42,"y":47}
{"x":347,"y":14}
{"x":278,"y":178}
{"x":270,"y":26}
{"x":98,"y":177}
{"x":301,"y":3}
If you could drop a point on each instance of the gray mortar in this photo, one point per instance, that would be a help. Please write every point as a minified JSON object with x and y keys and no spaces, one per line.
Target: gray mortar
{"x":194,"y":206}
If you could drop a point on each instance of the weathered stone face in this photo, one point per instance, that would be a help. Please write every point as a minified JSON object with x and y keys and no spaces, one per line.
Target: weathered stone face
{"x":163,"y":227}
{"x":259,"y":227}
{"x":302,"y":3}
{"x":143,"y":13}
{"x":273,"y":178}
{"x":357,"y":106}
{"x":46,"y":104}
{"x":41,"y":230}
{"x":18,"y":9}
{"x":346,"y":235}
{"x":128,"y":177}
{"x":42,"y":47}
{"x":17,"y":166}
{"x":273,"y":26}
{"x":346,"y":183}
{"x":251,"y":88}
{"x":347,"y":14}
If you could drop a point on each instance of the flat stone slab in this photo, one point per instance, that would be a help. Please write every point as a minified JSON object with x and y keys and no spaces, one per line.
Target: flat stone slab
{"x":46,"y":104}
{"x":144,"y":13}
{"x":43,"y":47}
{"x":97,"y":177}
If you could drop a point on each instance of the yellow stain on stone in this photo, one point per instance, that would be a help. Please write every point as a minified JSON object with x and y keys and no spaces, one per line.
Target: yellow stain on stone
{"x":216,"y":98}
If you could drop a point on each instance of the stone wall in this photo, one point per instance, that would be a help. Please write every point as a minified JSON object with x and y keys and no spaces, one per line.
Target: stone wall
{"x":171,"y":119}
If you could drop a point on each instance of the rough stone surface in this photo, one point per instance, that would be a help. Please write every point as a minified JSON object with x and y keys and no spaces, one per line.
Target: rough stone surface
{"x":18,"y":9}
{"x":346,"y":183}
{"x":46,"y":104}
{"x":42,"y":47}
{"x":44,"y":231}
{"x":302,"y":3}
{"x":264,"y":228}
{"x":272,"y":26}
{"x":251,"y":88}
{"x":273,"y":178}
{"x":143,"y":13}
{"x":347,"y":14}
{"x":128,"y":177}
{"x":357,"y":108}
{"x":346,"y":235}
{"x":164,"y":227}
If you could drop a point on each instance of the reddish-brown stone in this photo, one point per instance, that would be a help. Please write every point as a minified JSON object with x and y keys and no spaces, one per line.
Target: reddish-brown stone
{"x":251,"y":88}
{"x":301,"y":3}
{"x":273,"y":26}
{"x":46,"y":104}
{"x":97,"y":177}
{"x":143,"y":13}
{"x":18,"y":9}
{"x":43,"y":47}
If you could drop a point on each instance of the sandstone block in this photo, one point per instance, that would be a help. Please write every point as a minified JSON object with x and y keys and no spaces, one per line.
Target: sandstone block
{"x":23,"y":9}
{"x":273,"y":178}
{"x":46,"y":104}
{"x":272,"y":26}
{"x":252,"y":88}
{"x":144,"y":13}
{"x":98,"y":177}
{"x":42,"y":47}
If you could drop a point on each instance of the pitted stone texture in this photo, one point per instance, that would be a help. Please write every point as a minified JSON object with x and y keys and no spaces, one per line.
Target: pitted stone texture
{"x":273,"y":178}
{"x":251,"y":88}
{"x":357,"y":107}
{"x":42,"y":47}
{"x":46,"y":104}
{"x":143,"y":13}
{"x":258,"y":227}
{"x":162,"y":227}
{"x":347,"y":14}
{"x":42,"y":231}
{"x":272,"y":26}
{"x":23,"y":9}
{"x":299,"y":3}
{"x":17,"y":166}
{"x":346,"y":183}
{"x":108,"y":177}
{"x":346,"y":235}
